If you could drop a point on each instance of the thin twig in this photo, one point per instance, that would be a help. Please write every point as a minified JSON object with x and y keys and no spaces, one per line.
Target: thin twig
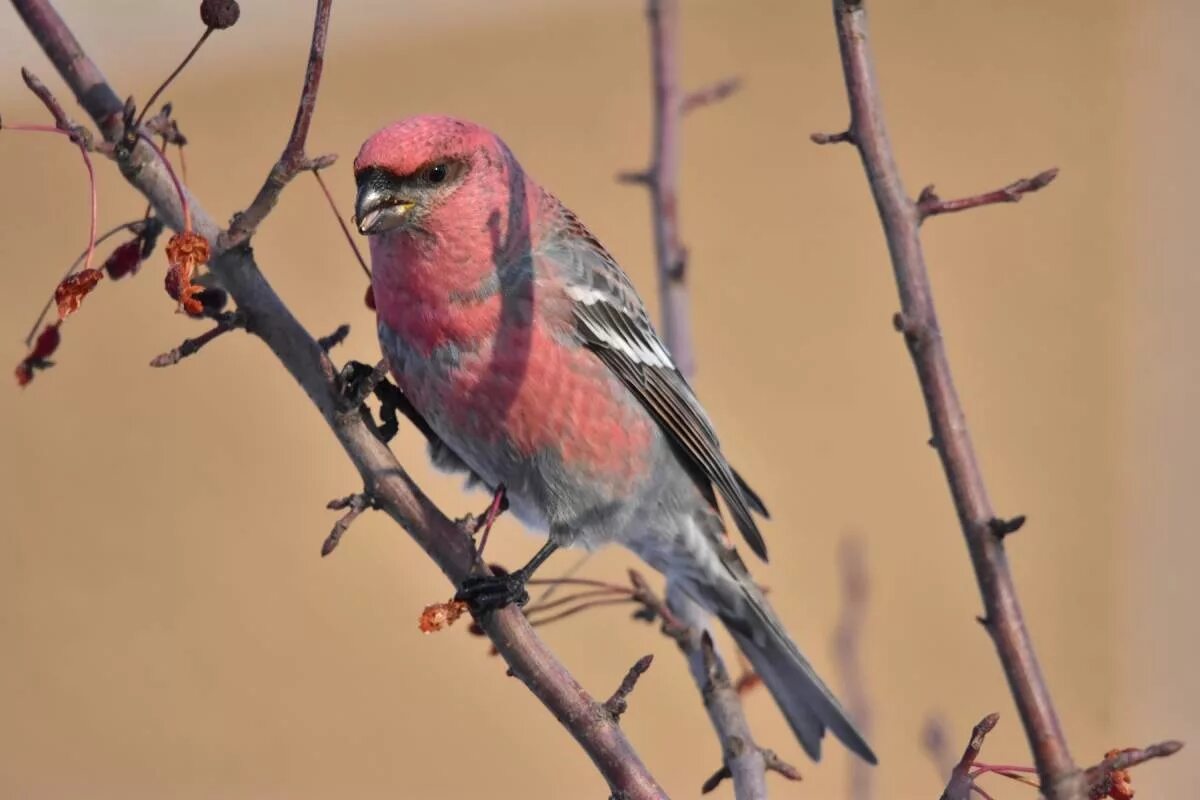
{"x":342,"y":223}
{"x":919,"y":323}
{"x":961,"y":782}
{"x":162,"y":87}
{"x":188,"y":347}
{"x":332,"y":340}
{"x":82,"y":138}
{"x":929,"y":204}
{"x":618,"y":704}
{"x":293,"y":160}
{"x":355,"y":504}
{"x":37,"y":323}
{"x":526,"y":655}
{"x":1098,"y":779}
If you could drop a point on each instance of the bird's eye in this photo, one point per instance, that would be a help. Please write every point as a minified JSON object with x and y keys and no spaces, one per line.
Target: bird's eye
{"x":436,"y":173}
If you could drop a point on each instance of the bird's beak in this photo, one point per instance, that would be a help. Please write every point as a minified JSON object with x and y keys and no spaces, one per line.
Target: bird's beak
{"x":377,"y":210}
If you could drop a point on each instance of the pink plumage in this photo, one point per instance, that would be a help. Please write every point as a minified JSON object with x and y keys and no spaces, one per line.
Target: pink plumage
{"x":531,"y":358}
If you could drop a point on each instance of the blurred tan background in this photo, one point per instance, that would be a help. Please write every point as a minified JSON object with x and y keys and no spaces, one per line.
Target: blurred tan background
{"x":168,"y":629}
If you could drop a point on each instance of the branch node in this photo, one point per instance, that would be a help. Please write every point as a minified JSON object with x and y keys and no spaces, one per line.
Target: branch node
{"x":618,"y":704}
{"x":355,"y":504}
{"x":1003,"y":527}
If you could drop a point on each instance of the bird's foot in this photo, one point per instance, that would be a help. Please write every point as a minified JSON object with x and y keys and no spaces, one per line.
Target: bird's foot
{"x":486,"y":593}
{"x":356,"y":382}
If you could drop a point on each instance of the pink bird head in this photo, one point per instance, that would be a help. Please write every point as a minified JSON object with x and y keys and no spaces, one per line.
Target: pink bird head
{"x":434,"y":174}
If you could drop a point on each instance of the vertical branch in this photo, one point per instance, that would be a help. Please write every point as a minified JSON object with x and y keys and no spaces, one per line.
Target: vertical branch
{"x":918,"y":322}
{"x":846,"y":643}
{"x":671,"y":104}
{"x":664,"y":183}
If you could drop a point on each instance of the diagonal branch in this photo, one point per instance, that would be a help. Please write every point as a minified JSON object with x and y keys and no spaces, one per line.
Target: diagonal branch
{"x":293,"y":161}
{"x":919,"y":323}
{"x":742,"y":760}
{"x":383,"y":477}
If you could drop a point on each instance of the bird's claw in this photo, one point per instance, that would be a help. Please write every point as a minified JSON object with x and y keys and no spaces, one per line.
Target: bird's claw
{"x":356,"y":381}
{"x":485,"y":593}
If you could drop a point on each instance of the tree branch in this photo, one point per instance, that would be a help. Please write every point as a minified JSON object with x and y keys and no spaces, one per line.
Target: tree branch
{"x":383,"y":477}
{"x":929,"y":204}
{"x":293,"y":160}
{"x":662,"y":176}
{"x":918,"y":321}
{"x":743,"y":760}
{"x":847,"y":641}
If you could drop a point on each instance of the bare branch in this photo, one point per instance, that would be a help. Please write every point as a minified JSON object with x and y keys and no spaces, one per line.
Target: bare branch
{"x":189,"y":347}
{"x":293,"y":160}
{"x":618,"y":704}
{"x":918,"y":320}
{"x":847,"y":641}
{"x":662,"y":179}
{"x":929,"y":204}
{"x":383,"y":476}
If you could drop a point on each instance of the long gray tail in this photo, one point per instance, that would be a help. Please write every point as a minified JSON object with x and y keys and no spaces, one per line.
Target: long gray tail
{"x":805,"y":700}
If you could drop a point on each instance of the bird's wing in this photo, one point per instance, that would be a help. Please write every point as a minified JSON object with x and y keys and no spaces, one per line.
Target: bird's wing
{"x":612,"y":321}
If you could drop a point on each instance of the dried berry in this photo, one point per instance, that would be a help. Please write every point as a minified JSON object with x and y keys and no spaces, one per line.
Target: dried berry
{"x":219,"y":14}
{"x":186,"y":251}
{"x":125,"y":260}
{"x":45,"y":345}
{"x":441,"y":615}
{"x":69,"y":294}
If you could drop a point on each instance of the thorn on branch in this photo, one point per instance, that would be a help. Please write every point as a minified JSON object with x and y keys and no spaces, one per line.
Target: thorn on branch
{"x":639,"y":178}
{"x":332,"y":340}
{"x":832,"y":138}
{"x":189,"y":347}
{"x":618,"y":704}
{"x":355,"y":504}
{"x":771,"y":762}
{"x":1003,"y":527}
{"x":929,"y":204}
{"x":708,"y":95}
{"x":961,"y":782}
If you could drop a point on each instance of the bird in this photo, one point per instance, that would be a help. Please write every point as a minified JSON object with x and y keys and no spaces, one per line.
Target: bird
{"x":527,"y":351}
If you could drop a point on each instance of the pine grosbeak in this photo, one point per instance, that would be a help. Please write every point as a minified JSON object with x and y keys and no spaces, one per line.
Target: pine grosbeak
{"x":532,"y":359}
